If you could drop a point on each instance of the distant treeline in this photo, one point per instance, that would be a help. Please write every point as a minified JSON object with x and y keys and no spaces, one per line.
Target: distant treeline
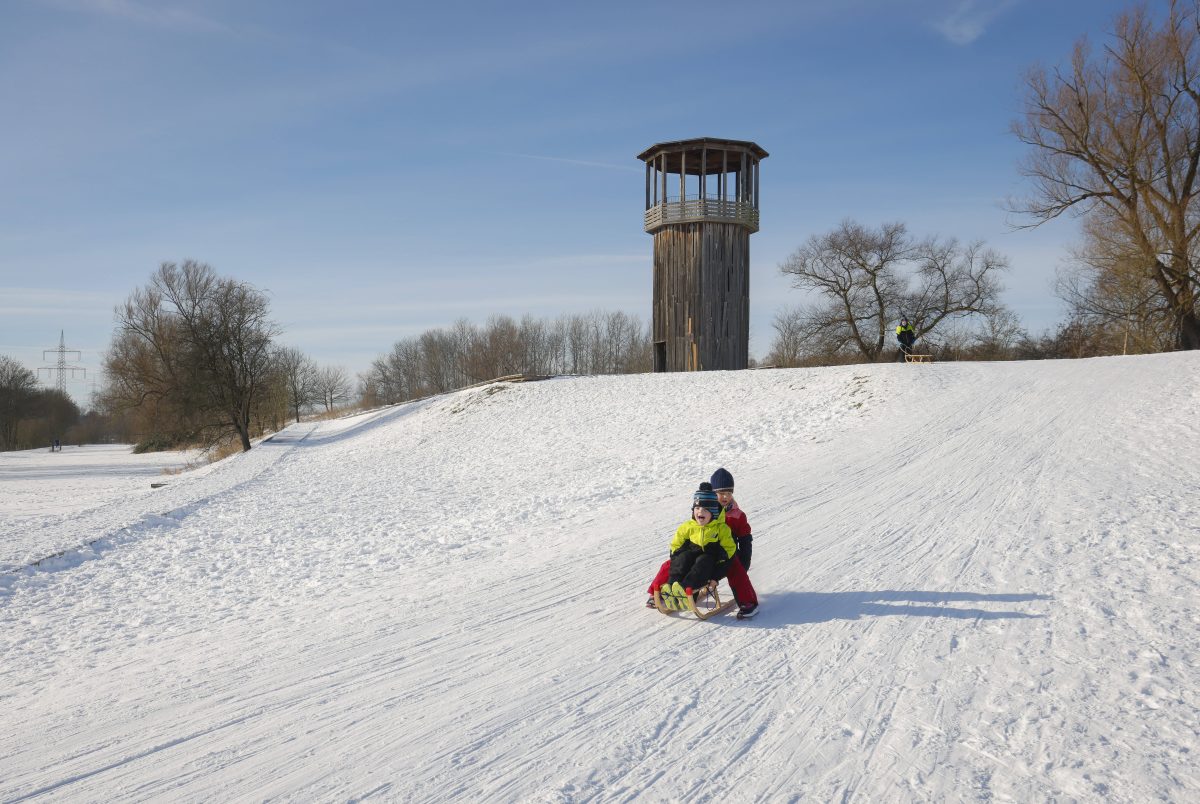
{"x":32,"y":416}
{"x":999,"y":338}
{"x":441,"y":360}
{"x":195,"y":361}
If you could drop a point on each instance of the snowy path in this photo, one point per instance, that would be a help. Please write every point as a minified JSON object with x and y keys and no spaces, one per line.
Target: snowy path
{"x":979,"y":582}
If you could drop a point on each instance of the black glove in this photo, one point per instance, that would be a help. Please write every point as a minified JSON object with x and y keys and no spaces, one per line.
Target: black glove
{"x":745,"y":549}
{"x":716,"y":552}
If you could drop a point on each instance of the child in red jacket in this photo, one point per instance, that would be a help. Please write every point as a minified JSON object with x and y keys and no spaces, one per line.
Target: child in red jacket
{"x":735,"y":518}
{"x":735,"y":570}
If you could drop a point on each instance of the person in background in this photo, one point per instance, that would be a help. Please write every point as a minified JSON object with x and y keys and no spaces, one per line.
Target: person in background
{"x":906,"y":337}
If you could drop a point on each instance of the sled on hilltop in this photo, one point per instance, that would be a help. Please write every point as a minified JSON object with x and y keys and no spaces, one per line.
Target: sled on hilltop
{"x":912,"y":358}
{"x":707,"y":602}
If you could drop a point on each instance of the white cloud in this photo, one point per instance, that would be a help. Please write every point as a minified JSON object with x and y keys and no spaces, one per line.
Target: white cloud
{"x":969,"y":19}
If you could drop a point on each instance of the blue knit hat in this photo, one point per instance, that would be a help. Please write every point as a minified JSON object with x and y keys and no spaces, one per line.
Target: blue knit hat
{"x":706,"y":498}
{"x":721,"y":480}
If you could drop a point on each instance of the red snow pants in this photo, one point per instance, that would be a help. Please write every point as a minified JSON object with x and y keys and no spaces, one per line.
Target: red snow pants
{"x":735,"y":573}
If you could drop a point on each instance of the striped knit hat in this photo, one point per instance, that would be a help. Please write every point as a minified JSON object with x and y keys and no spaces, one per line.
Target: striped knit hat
{"x":706,"y":498}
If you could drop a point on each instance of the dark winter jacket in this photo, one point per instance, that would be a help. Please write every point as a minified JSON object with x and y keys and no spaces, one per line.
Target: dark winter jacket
{"x":739,"y":526}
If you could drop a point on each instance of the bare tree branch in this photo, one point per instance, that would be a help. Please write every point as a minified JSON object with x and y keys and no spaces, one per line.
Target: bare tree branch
{"x":1119,"y":138}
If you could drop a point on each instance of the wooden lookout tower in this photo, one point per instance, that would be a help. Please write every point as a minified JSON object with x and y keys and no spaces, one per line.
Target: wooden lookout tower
{"x":702,"y":207}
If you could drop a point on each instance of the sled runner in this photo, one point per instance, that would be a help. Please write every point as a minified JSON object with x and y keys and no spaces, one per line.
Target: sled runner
{"x":918,"y":358}
{"x":707,"y":604}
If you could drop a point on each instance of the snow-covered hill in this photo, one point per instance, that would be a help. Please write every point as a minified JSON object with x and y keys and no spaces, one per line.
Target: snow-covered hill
{"x":978,"y":581}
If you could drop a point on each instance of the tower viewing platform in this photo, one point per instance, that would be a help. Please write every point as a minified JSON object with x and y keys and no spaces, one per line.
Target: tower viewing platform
{"x":702,"y":180}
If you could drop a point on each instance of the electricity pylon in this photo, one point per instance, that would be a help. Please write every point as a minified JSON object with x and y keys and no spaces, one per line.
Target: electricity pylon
{"x":61,"y":369}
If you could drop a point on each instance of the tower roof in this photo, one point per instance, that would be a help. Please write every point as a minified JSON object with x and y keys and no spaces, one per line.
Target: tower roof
{"x":700,"y":143}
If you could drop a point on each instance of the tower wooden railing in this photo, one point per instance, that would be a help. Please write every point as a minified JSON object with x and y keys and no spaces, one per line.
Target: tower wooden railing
{"x":702,"y":209}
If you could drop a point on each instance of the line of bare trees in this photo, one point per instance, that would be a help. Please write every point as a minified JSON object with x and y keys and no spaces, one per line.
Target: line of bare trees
{"x":443,"y":359}
{"x":194,"y":360}
{"x":309,"y":385}
{"x":30,"y":415}
{"x":999,"y":337}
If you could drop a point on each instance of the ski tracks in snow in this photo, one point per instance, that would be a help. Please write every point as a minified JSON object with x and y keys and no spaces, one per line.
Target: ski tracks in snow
{"x":981,"y":500}
{"x":975,"y":585}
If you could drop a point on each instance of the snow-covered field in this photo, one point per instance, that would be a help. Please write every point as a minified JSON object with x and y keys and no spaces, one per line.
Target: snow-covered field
{"x":40,"y":491}
{"x":978,"y":582}
{"x":43,"y":492}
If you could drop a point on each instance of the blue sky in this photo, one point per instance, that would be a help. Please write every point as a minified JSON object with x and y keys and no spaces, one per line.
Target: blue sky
{"x":381,"y":168}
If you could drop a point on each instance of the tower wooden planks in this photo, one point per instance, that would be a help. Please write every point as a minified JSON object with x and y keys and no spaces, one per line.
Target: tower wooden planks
{"x":701,"y":304}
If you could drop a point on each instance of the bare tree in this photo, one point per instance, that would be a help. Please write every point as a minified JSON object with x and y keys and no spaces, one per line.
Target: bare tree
{"x":953,"y":281}
{"x":578,"y":349}
{"x":998,"y":335}
{"x":1119,"y":137}
{"x":195,"y":345}
{"x":865,"y":279}
{"x":396,"y":376}
{"x":1106,"y":288}
{"x":624,"y":345}
{"x":333,"y":386}
{"x":298,"y":373}
{"x":854,"y":271}
{"x":500,"y":347}
{"x":18,"y":389}
{"x":442,"y":360}
{"x":787,"y":350}
{"x":271,"y":407}
{"x":542,"y":346}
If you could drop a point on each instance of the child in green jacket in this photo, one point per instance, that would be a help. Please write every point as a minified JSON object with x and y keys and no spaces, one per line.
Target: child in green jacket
{"x":702,"y":546}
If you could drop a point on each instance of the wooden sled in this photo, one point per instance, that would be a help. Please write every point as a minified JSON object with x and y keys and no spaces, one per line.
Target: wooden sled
{"x":918,"y":358}
{"x":709,"y":603}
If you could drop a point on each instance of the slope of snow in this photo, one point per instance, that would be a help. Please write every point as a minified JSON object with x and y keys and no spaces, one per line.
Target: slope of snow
{"x":978,"y":581}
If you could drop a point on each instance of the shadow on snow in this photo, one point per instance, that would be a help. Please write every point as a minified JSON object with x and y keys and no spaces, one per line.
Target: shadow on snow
{"x":796,"y":608}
